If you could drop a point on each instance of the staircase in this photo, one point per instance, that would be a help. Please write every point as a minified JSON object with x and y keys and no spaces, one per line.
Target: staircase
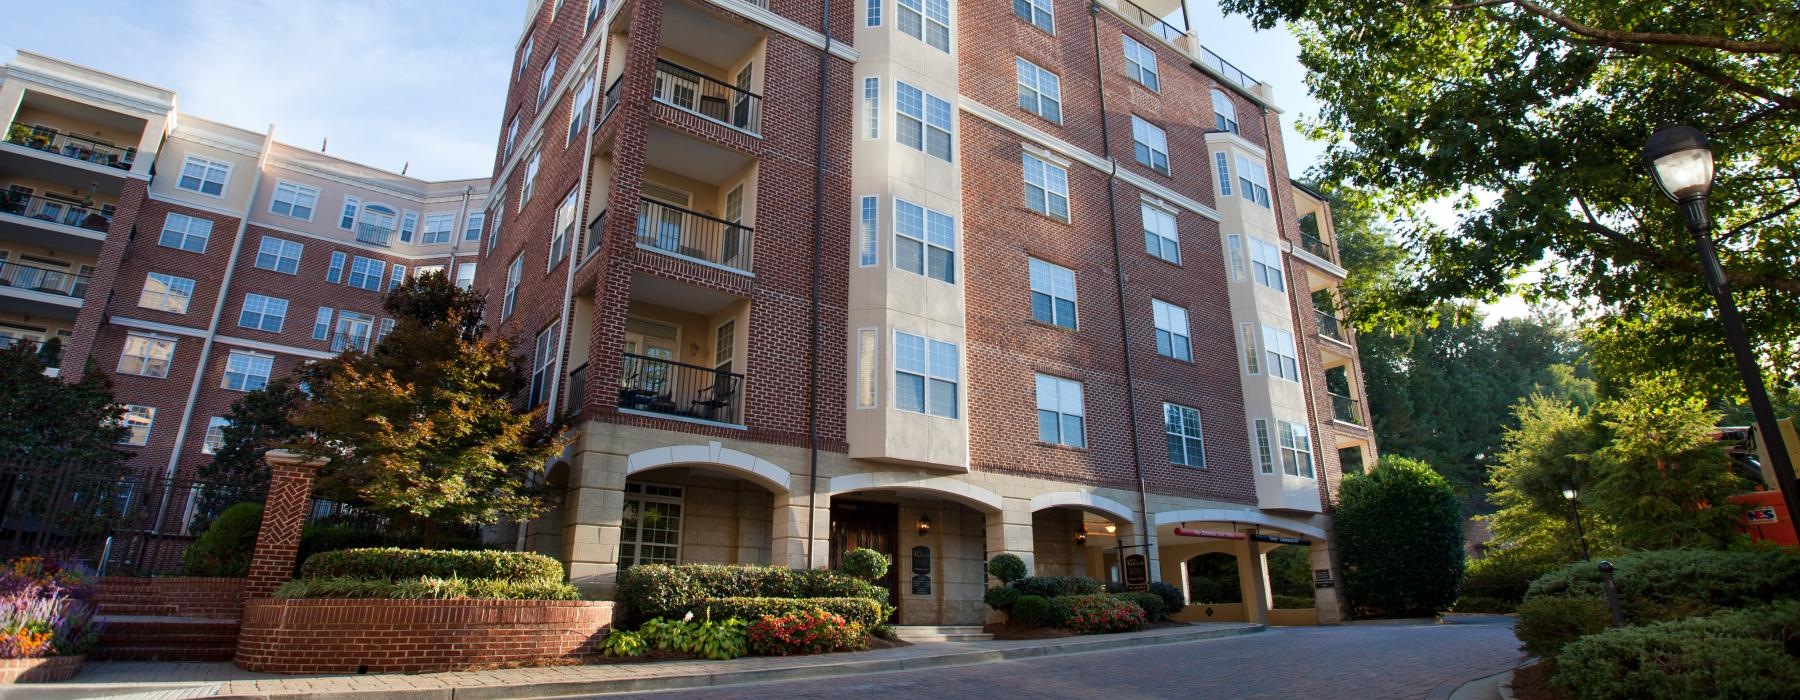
{"x":141,"y":625}
{"x":946,"y":633}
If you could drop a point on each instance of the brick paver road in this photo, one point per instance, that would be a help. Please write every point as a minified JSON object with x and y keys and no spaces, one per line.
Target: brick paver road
{"x":1354,"y":661}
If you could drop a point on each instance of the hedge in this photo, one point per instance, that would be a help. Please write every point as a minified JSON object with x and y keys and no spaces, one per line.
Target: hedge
{"x":427,"y":588}
{"x":1150,"y":603}
{"x":1747,"y":653}
{"x":1031,"y":611}
{"x":1053,"y":586}
{"x":1547,"y":623}
{"x":392,"y":563}
{"x":1673,"y":584}
{"x":1095,"y":614}
{"x":1001,"y":598}
{"x":865,"y":611}
{"x":663,"y":590}
{"x":1402,"y":500}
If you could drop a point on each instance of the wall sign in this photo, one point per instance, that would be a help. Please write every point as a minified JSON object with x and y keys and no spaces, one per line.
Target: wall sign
{"x":1278,"y":539}
{"x":1760,"y":515}
{"x":921,"y":585}
{"x":921,"y":560}
{"x":1137,"y":572}
{"x":1322,"y":579}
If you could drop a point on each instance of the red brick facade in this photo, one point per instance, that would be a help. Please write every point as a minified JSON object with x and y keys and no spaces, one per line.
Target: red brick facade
{"x":415,"y":636}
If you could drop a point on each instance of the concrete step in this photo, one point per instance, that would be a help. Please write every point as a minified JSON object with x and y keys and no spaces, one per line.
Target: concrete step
{"x":941,"y":633}
{"x":164,"y":638}
{"x":138,"y":609}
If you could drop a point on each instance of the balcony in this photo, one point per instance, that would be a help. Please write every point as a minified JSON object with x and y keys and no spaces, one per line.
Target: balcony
{"x":690,"y":234}
{"x":655,"y":385}
{"x":44,"y":279}
{"x":612,"y":99}
{"x":575,"y":394}
{"x":1330,"y":327}
{"x":596,"y":234}
{"x":1346,"y":409}
{"x":1231,"y":72}
{"x":1152,"y":22}
{"x":55,"y":224}
{"x":49,"y":140}
{"x":374,"y":234}
{"x":1317,"y":247}
{"x":691,"y":91}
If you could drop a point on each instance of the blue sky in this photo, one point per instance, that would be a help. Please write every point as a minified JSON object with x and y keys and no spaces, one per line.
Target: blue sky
{"x":398,"y":81}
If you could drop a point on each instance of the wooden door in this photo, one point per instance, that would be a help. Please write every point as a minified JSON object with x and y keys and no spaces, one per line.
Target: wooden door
{"x":872,"y":525}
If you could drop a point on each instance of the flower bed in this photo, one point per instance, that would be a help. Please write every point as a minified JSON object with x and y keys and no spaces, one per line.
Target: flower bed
{"x":46,"y":620}
{"x":415,"y":636}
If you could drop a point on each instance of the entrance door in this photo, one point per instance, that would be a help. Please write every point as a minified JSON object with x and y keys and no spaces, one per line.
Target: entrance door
{"x":872,"y":525}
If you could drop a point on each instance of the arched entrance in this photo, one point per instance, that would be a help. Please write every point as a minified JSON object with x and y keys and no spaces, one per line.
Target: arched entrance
{"x":934,"y":531}
{"x":699,"y":504}
{"x":1212,"y":551}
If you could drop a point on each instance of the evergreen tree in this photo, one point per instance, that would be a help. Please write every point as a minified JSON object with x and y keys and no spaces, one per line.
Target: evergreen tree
{"x":257,"y":422}
{"x":1399,"y":535}
{"x":1663,"y":478}
{"x":48,"y":420}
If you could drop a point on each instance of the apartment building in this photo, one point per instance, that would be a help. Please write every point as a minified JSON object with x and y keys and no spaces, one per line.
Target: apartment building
{"x":196,"y":261}
{"x":941,"y":278}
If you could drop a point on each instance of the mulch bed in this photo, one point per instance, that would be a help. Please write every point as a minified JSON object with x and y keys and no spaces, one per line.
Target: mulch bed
{"x":1533,"y":683}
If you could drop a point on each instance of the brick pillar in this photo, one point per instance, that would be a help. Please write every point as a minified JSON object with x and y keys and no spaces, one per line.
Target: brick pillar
{"x":284,"y":512}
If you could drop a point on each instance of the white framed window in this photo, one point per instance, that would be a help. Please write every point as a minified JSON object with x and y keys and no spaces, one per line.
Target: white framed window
{"x":263,"y":313}
{"x":396,"y":275}
{"x":868,"y":236}
{"x":924,"y":241}
{"x":465,"y":275}
{"x":595,"y":7}
{"x":386,"y":327}
{"x":493,"y":234}
{"x":247,"y":371}
{"x":347,"y":220}
{"x":546,"y":81}
{"x":1296,"y":449}
{"x":205,"y":176}
{"x":166,"y":293}
{"x":867,"y":349}
{"x":1265,"y":264}
{"x":1253,"y":180}
{"x":1224,"y":112}
{"x":279,"y":255}
{"x":1182,"y":425}
{"x":1046,"y":188}
{"x":322,"y":324}
{"x":438,"y":228}
{"x":409,"y":222}
{"x":1150,"y":144}
{"x":137,"y":420}
{"x":215,"y":435}
{"x":334,"y":273}
{"x":530,"y":178}
{"x":922,"y":121}
{"x":564,"y":231}
{"x":650,"y":529}
{"x":927,"y":21}
{"x":1039,"y":13}
{"x":366,"y":273}
{"x":1265,"y":447}
{"x":294,"y":201}
{"x":514,"y":273}
{"x":1040,"y":91}
{"x":147,"y":355}
{"x":512,"y":136}
{"x":872,"y":107}
{"x":423,"y":270}
{"x":1061,"y":417}
{"x":472,"y":228}
{"x":1247,"y":338}
{"x":1234,"y":257}
{"x":582,"y":107}
{"x":377,"y":223}
{"x":1278,"y":345}
{"x":1160,"y":236}
{"x":1223,"y":162}
{"x":1052,"y":294}
{"x":925,"y":375}
{"x":542,"y":360}
{"x":183,"y":232}
{"x":525,"y":55}
{"x":1171,"y":330}
{"x":1140,"y":64}
{"x":873,"y":18}
{"x":354,"y":330}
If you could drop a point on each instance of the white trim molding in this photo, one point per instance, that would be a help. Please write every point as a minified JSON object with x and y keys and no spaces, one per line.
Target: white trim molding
{"x":1233,"y":515}
{"x":1086,"y":500}
{"x":714,"y":455}
{"x":954,"y":489}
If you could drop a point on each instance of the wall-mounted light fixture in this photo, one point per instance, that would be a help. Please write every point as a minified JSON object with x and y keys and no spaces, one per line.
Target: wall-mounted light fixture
{"x":924,"y":525}
{"x":1081,"y":534}
{"x":1111,"y":528}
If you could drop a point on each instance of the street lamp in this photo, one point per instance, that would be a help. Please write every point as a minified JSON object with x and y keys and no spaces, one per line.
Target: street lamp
{"x":1580,"y":534}
{"x":1681,"y":161}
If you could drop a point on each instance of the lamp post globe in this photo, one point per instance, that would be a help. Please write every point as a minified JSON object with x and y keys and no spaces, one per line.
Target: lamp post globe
{"x":1681,"y":160}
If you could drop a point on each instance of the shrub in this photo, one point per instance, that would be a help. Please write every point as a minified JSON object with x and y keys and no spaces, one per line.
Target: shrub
{"x":662,"y":590}
{"x":864,"y":563}
{"x":886,"y":632}
{"x":225,"y":548}
{"x":1666,"y":585}
{"x":390,"y":563}
{"x":813,"y":632}
{"x":864,"y":611}
{"x":1150,"y":603}
{"x":33,"y":626}
{"x":1001,"y":599}
{"x":1053,"y":586}
{"x":1292,"y":602}
{"x":322,"y":537}
{"x":1171,"y":596}
{"x":1503,"y":575}
{"x":622,"y":643}
{"x":1466,"y":603}
{"x":1098,"y":614}
{"x":1030,"y":611}
{"x":1547,"y":623}
{"x":1747,"y":653}
{"x":713,"y":639}
{"x":1402,"y":500}
{"x":427,"y":588}
{"x":1006,"y":567}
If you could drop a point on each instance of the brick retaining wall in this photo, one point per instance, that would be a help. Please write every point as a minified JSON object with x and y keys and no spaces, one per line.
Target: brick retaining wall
{"x":414,"y":636}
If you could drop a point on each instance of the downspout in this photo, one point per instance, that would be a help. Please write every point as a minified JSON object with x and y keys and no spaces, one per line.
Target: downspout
{"x":818,"y":233}
{"x":1112,"y":206}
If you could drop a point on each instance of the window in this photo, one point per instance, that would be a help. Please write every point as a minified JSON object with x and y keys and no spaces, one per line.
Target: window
{"x":396,"y":276}
{"x":872,"y":107}
{"x":924,"y":241}
{"x":465,"y":275}
{"x":1253,"y":180}
{"x":873,"y":19}
{"x":472,"y":229}
{"x":347,"y":220}
{"x":1140,"y":64}
{"x":531,"y":170}
{"x":1279,"y":346}
{"x":279,"y":255}
{"x":353,"y":331}
{"x":1182,"y":424}
{"x":1265,"y":262}
{"x":1247,"y":336}
{"x":565,"y":230}
{"x":423,"y":270}
{"x":1224,"y":112}
{"x":866,"y":343}
{"x":215,"y":435}
{"x":513,"y":273}
{"x":1040,"y":91}
{"x":512,"y":136}
{"x":1037,"y":12}
{"x":1264,"y":448}
{"x":1160,"y":236}
{"x":1060,"y":415}
{"x":1171,"y":330}
{"x":247,"y":371}
{"x":147,"y":355}
{"x":387,"y":326}
{"x":541,"y":361}
{"x":925,"y":375}
{"x":1234,"y":257}
{"x":184,"y":232}
{"x":365,"y":273}
{"x":437,"y":228}
{"x":322,"y":324}
{"x":137,"y":420}
{"x":868,"y":238}
{"x":408,"y":224}
{"x":546,"y":80}
{"x":296,"y":201}
{"x":493,"y":235}
{"x":927,"y":21}
{"x":923,"y":121}
{"x":166,"y":293}
{"x":263,"y":313}
{"x":650,"y":529}
{"x":583,"y":105}
{"x":335,"y":273}
{"x":204,"y":176}
{"x":525,"y":55}
{"x":1150,"y":144}
{"x":1046,"y":188}
{"x":1296,"y":450}
{"x":1224,"y":164}
{"x":595,"y":7}
{"x":1052,"y":294}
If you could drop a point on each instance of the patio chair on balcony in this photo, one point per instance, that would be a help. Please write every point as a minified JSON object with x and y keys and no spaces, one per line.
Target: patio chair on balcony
{"x":718,"y":397}
{"x":14,"y":203}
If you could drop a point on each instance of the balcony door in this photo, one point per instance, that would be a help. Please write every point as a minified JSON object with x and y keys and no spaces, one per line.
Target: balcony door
{"x":646,"y":379}
{"x":740,"y":109}
{"x":660,"y":220}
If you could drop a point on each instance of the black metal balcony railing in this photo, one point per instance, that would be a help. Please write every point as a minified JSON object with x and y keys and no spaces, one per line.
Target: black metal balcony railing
{"x":39,"y":278}
{"x":55,"y":211}
{"x":576,"y":394}
{"x":1224,"y":67}
{"x":688,"y":233}
{"x":596,"y":233}
{"x":1346,"y":409}
{"x":1317,"y":247}
{"x":373,"y":234}
{"x":1153,"y":23}
{"x":663,"y":386}
{"x":71,"y":146}
{"x":612,"y":99}
{"x":719,"y":101}
{"x":1329,"y":326}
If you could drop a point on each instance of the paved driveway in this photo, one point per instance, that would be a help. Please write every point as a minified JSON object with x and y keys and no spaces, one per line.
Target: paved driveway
{"x":1353,"y":661}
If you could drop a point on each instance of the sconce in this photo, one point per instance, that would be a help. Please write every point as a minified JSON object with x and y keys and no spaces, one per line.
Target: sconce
{"x":1111,"y":528}
{"x":924,"y":525}
{"x":1081,"y":535}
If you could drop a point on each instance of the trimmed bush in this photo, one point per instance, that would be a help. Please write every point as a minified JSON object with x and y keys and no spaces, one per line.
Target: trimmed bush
{"x":863,"y":611}
{"x":815,"y":632}
{"x":1097,"y":614}
{"x":427,"y":588}
{"x":1001,"y":599}
{"x":1292,"y":602}
{"x":1747,"y":653}
{"x":1548,"y":623}
{"x":1006,"y":567}
{"x":1401,"y":501}
{"x":225,"y":548}
{"x":864,"y":563}
{"x":1150,"y":603}
{"x":390,"y":563}
{"x":1053,"y":586}
{"x":1171,"y":596}
{"x":1502,"y":575}
{"x":661,"y":590}
{"x":1031,"y":611}
{"x":1668,"y":585}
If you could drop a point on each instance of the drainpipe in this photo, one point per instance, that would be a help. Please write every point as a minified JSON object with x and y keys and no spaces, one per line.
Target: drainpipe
{"x":818,"y":233}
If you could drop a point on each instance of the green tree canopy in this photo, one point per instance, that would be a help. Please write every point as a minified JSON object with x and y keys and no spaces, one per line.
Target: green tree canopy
{"x":1548,"y":452}
{"x":50,"y":420}
{"x":1399,"y":534}
{"x":1663,"y":478}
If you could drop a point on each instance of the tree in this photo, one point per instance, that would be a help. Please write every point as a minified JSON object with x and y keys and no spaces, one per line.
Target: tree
{"x":1663,"y":479}
{"x":256,"y":423}
{"x":1400,"y":538}
{"x":423,"y":429}
{"x":1548,"y":452}
{"x":44,"y":419}
{"x":1530,"y":116}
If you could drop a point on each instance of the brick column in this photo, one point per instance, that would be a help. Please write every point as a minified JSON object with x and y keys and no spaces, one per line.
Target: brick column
{"x":284,"y":512}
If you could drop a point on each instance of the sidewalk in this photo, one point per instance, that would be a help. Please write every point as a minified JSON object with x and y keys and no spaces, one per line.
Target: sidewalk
{"x":177,"y":681}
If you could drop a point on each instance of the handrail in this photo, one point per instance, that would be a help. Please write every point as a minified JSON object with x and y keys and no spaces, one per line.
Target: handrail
{"x":1317,"y":246}
{"x":1345,"y":408}
{"x":80,"y":148}
{"x":1329,"y":326}
{"x":1224,"y":67}
{"x":656,"y":385}
{"x":577,"y":393}
{"x":41,"y":278}
{"x":691,"y":234}
{"x":1155,"y":24}
{"x":56,"y":211}
{"x":611,"y":100}
{"x":596,"y":234}
{"x":373,"y":234}
{"x":692,"y":91}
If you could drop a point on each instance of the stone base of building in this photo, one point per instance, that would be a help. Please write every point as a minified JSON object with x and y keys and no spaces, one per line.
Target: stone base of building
{"x":415,"y":636}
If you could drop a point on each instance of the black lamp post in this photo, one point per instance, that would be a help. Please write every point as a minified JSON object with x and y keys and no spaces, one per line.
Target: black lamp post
{"x":1681,"y":160}
{"x":1580,"y":534}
